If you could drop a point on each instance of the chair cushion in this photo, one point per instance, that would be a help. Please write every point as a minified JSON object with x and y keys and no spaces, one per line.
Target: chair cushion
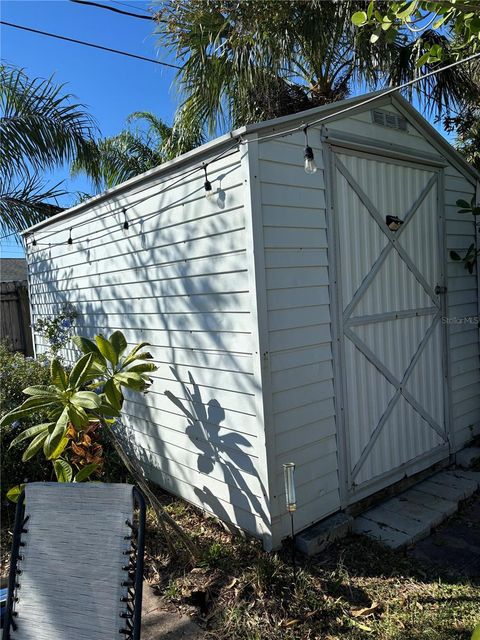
{"x":70,"y":585}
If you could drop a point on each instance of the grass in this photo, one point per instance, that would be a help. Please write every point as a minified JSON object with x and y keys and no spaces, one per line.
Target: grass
{"x":355,"y":590}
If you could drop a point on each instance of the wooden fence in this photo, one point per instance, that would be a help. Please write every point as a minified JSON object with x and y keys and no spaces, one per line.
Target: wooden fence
{"x":15,"y":316}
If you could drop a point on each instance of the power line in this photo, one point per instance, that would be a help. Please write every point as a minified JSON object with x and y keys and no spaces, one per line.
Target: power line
{"x":132,"y":6}
{"x":114,"y":9}
{"x":377,"y":96}
{"x":8,"y":235}
{"x":89,"y":44}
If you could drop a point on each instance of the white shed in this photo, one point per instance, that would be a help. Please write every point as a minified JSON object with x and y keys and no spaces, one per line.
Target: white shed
{"x":288,"y":322}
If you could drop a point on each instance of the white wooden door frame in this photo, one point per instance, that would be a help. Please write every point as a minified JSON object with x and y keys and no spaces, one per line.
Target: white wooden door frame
{"x":342,"y":321}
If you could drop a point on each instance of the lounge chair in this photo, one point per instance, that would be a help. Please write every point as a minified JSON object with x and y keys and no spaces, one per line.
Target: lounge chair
{"x":77,"y":563}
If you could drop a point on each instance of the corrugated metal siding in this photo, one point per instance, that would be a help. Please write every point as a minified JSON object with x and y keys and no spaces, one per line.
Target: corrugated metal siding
{"x":395,"y":189}
{"x":462,"y":312}
{"x":300,"y":352}
{"x":180,"y":281}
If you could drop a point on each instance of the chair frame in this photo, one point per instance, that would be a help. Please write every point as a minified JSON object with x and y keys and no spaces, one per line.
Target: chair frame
{"x":138,"y":553}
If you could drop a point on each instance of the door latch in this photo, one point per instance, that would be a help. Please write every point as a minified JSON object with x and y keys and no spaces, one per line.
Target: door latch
{"x":439,"y":290}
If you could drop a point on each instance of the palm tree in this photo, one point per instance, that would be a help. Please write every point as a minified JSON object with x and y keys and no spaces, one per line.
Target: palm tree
{"x":40,"y":129}
{"x":135,"y":150}
{"x":253,"y":60}
{"x":466,"y":124}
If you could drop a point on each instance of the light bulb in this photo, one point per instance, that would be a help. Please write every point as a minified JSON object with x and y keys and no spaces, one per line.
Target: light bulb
{"x":125,"y":228}
{"x":70,"y":242}
{"x":310,"y":166}
{"x":208,"y":190}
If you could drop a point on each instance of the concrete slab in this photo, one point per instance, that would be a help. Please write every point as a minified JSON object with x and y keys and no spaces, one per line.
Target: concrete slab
{"x":471,"y":476}
{"x":383,"y":533}
{"x":314,"y":539}
{"x":411,"y":516}
{"x":402,"y":506}
{"x":466,"y":486}
{"x":465,"y":458}
{"x":432,"y":501}
{"x":384,"y":518}
{"x":451,"y":494}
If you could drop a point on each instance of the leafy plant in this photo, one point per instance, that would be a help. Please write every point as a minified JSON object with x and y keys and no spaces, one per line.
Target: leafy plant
{"x":58,"y":329}
{"x":470,"y":258}
{"x":415,"y":16}
{"x":90,"y":394}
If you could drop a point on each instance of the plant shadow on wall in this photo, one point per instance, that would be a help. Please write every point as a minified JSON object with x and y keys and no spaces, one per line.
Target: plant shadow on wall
{"x":225,"y":456}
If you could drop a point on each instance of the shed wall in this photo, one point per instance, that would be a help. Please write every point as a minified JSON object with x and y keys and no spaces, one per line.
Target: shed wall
{"x":180,"y":281}
{"x":463,"y":312}
{"x":293,"y":213}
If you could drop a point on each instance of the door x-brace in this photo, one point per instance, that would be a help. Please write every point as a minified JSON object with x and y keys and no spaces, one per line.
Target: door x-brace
{"x":393,"y":243}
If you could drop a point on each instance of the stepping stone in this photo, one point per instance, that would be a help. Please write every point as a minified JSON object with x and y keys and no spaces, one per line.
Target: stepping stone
{"x":441,"y":490}
{"x":416,"y":530}
{"x":432,"y":501}
{"x":459,"y":480}
{"x":388,"y":536}
{"x":473,"y":476}
{"x":404,"y":507}
{"x":411,"y":516}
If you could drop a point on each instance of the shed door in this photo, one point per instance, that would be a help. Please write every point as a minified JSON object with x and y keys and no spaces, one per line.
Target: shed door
{"x":391,"y":332}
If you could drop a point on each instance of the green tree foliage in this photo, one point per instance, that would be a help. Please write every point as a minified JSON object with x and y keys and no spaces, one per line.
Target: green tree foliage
{"x":146,"y":143}
{"x":416,"y":16}
{"x":40,"y":129}
{"x":253,"y":60}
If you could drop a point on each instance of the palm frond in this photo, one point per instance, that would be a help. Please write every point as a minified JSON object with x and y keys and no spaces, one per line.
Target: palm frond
{"x":40,"y":126}
{"x":26,"y":203}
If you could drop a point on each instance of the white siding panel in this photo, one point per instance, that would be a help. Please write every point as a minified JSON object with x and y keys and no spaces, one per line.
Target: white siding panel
{"x":299,"y":336}
{"x":178,"y":280}
{"x":463,"y":309}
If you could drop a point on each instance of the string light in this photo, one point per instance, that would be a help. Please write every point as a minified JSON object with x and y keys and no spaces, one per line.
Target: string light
{"x":309,"y":165}
{"x":34,"y":242}
{"x":207,"y":184}
{"x":125,"y":226}
{"x":70,"y":241}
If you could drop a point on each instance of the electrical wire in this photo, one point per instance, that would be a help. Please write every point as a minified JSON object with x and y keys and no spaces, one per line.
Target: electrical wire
{"x":377,"y":96}
{"x":114,"y":9}
{"x":8,"y":235}
{"x":125,"y":4}
{"x":125,"y":208}
{"x":89,"y":44}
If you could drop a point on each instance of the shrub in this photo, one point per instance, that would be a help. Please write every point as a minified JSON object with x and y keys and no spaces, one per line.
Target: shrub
{"x":16,"y":373}
{"x":57,"y":330}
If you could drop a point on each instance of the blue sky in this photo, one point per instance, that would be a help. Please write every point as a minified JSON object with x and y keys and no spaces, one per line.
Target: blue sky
{"x":111,"y":86}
